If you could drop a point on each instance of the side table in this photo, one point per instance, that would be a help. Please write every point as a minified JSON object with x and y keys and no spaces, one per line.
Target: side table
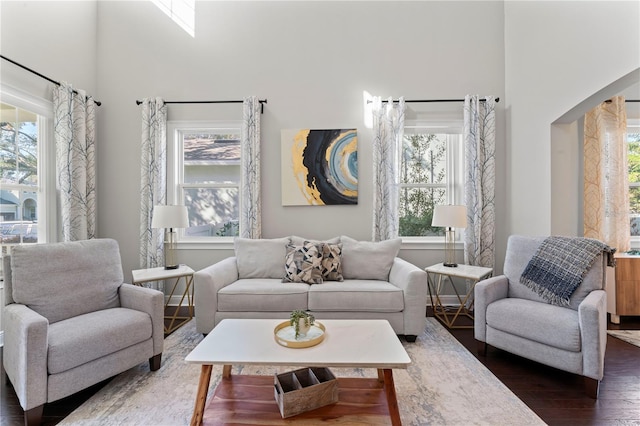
{"x":472,"y":273}
{"x":141,"y":276}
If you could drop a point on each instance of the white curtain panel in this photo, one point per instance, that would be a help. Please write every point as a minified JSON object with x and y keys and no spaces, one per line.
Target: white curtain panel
{"x":606,"y":185}
{"x":153,"y":184}
{"x":388,"y":131}
{"x":480,"y":158}
{"x":250,"y":202}
{"x":75,"y":139}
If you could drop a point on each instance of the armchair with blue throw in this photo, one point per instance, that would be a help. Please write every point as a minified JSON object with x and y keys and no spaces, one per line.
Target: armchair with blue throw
{"x":70,"y":322}
{"x":550,"y":305}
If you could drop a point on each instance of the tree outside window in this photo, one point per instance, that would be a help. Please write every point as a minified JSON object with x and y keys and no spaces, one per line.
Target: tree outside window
{"x":18,"y":175}
{"x":425,"y":179}
{"x":633,"y":160}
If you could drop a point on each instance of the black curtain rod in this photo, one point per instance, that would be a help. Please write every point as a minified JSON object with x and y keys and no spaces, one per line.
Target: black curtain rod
{"x":626,"y":100}
{"x":262,"y":102}
{"x":433,"y":100}
{"x":41,"y":75}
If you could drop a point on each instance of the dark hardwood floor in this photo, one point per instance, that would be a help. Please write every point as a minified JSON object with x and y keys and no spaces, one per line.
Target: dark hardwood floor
{"x":557,"y":397}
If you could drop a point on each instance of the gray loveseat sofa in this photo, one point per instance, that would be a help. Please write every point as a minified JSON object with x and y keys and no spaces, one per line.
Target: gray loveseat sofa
{"x":376,"y":284}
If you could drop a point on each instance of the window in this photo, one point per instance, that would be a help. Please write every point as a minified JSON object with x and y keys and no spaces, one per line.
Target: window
{"x":431,"y":173}
{"x":27,"y":170}
{"x":207,"y":178}
{"x":633,"y":160}
{"x":182,"y":12}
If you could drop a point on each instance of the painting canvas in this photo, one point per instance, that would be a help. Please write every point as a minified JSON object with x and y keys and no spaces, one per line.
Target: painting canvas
{"x":319,"y":167}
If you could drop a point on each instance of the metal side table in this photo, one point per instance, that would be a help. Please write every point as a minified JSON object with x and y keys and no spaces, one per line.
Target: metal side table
{"x":141,"y":276}
{"x":444,"y":273}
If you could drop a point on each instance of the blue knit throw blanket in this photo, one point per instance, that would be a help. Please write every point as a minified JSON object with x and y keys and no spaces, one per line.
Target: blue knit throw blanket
{"x":560,"y":264}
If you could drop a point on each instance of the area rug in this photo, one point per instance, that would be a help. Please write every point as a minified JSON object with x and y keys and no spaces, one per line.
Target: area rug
{"x":444,"y":385}
{"x":629,"y":336}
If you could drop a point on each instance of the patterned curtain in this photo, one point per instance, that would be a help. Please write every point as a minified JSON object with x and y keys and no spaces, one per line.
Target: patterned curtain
{"x":480,"y":159}
{"x":153,"y":184}
{"x":75,"y":139}
{"x":606,"y":187}
{"x":388,"y":131}
{"x":250,"y":203}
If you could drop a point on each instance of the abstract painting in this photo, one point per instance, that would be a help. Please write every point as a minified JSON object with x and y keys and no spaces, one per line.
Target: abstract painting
{"x":319,"y":167}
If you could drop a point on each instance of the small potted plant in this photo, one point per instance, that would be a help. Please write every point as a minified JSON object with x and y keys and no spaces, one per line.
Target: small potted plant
{"x":301,"y":321}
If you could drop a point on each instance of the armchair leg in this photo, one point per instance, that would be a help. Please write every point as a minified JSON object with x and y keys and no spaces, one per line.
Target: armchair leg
{"x":591,"y":387}
{"x":482,"y":348}
{"x":33,"y":417}
{"x":155,"y":361}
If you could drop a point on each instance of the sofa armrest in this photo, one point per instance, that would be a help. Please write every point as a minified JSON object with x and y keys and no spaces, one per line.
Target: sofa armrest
{"x":208,"y":282}
{"x":413,"y":282}
{"x":592,"y":316}
{"x":151,"y":302}
{"x":25,"y":353}
{"x":486,"y":292}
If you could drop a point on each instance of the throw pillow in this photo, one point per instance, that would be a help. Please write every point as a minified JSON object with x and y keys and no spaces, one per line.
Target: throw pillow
{"x":260,"y":258}
{"x":367,"y":260}
{"x":332,"y":262}
{"x":303,"y":264}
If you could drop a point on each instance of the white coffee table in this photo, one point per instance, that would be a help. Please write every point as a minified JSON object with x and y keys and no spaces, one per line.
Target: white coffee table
{"x":347,"y":344}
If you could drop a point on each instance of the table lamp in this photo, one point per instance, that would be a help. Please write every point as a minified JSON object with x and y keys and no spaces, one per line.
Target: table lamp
{"x":450,"y":217}
{"x":170,"y":218}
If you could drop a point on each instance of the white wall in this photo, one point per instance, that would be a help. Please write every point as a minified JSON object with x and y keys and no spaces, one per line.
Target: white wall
{"x":54,"y":38}
{"x":312,"y":61}
{"x":557,"y":54}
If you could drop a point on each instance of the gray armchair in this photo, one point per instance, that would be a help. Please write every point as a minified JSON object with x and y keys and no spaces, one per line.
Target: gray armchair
{"x":513,"y":317}
{"x":70,"y":322}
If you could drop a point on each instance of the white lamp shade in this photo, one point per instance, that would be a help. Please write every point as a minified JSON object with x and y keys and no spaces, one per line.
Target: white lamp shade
{"x":170,"y":217}
{"x":451,"y":216}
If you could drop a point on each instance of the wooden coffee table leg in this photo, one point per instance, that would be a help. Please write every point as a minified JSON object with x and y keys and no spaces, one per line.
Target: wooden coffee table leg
{"x":226,"y":371}
{"x":201,"y":396}
{"x":390,"y":391}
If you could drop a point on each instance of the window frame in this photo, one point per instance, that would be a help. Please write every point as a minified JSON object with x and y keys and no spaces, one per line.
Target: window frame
{"x":455,"y":172}
{"x":175,"y":175}
{"x":47,"y":205}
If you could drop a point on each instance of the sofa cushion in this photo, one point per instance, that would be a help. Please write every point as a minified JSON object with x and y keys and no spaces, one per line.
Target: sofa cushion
{"x":260,"y":258}
{"x":298,"y":241}
{"x":356,"y":295}
{"x":262,"y":295}
{"x":84,"y":338}
{"x":538,"y":321}
{"x":332,"y":262}
{"x":64,"y":280}
{"x":367,"y":260}
{"x":303,"y":263}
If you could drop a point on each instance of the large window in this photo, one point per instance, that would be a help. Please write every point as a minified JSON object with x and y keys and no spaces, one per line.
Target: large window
{"x":207,"y":178}
{"x":633,"y":160}
{"x":27,"y":199}
{"x":431,"y":173}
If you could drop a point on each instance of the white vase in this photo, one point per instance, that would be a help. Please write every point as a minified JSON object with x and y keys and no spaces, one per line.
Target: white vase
{"x":303,"y":329}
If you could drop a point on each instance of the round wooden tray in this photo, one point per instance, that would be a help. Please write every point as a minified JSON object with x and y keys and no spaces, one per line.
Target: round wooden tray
{"x":285,"y":335}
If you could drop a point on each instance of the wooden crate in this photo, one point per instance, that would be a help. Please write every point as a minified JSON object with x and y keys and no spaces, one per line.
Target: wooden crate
{"x":304,"y":390}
